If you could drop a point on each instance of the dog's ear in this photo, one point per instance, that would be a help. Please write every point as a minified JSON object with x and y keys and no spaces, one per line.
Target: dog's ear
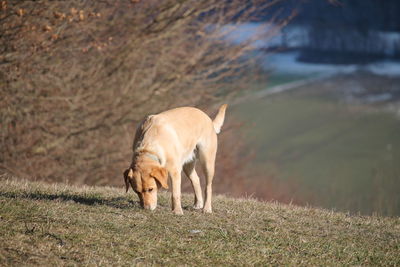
{"x":161,"y":175}
{"x":128,"y":174}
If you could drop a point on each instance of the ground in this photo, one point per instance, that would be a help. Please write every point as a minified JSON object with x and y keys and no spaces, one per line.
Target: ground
{"x":56,"y":224}
{"x":330,"y":142}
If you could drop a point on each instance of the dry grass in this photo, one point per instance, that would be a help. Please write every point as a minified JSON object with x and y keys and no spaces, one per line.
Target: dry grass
{"x":43,"y":224}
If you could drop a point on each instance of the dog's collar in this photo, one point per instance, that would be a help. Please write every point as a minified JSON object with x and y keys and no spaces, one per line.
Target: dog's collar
{"x":153,"y":157}
{"x":147,"y":153}
{"x":150,"y":155}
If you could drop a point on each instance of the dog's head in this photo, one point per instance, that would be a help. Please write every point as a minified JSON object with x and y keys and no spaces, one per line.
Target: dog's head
{"x":145,"y":181}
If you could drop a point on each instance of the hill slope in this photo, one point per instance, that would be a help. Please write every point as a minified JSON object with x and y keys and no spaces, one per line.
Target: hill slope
{"x":43,"y":224}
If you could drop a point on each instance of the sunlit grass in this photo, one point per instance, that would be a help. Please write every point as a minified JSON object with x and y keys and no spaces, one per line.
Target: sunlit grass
{"x":62,"y":225}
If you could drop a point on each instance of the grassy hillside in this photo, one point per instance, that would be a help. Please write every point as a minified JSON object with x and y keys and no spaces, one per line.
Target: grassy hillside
{"x":333,"y":152}
{"x":43,"y":224}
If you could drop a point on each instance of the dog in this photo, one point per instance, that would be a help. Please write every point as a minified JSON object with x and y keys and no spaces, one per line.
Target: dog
{"x":167,"y":143}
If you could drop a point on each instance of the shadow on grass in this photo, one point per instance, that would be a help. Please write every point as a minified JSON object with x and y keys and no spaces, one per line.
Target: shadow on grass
{"x":116,"y":202}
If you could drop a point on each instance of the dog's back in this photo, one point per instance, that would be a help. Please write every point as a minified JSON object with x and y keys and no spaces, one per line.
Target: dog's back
{"x":193,"y":119}
{"x":188,"y":122}
{"x":179,"y":130}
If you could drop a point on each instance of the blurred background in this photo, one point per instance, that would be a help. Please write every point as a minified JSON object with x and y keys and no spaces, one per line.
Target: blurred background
{"x":313,"y":88}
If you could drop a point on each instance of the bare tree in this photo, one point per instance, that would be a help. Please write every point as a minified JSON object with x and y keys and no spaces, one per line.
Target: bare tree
{"x":76,"y":76}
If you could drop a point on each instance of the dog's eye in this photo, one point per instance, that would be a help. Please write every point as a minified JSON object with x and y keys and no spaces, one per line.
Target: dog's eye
{"x":150,"y":189}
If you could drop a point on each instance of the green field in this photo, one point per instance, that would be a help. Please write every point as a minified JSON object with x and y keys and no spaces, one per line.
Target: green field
{"x":60,"y":225}
{"x":276,"y":78}
{"x":336,"y":155}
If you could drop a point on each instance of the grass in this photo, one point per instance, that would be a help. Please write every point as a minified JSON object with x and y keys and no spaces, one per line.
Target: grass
{"x":337,"y":155}
{"x":277,"y":78}
{"x":57,"y":224}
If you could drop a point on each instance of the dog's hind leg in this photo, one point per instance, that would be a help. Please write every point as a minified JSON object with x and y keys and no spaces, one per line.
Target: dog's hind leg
{"x":190,"y":171}
{"x":207,"y":160}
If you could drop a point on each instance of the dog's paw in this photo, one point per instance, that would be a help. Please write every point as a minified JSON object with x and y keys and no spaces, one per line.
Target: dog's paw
{"x":207,"y":210}
{"x":198,"y":206}
{"x":178,"y":212}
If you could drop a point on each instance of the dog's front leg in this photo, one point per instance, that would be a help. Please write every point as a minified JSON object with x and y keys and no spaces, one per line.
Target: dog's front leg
{"x":176,"y":192}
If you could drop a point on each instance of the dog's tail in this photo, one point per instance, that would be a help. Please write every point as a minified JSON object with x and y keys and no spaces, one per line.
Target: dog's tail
{"x":219,"y":119}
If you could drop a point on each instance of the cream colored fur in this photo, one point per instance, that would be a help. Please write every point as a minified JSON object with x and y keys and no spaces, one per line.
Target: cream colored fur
{"x":167,"y":144}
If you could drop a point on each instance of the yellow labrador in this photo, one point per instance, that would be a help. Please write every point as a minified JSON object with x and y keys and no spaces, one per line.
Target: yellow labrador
{"x":167,"y":143}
